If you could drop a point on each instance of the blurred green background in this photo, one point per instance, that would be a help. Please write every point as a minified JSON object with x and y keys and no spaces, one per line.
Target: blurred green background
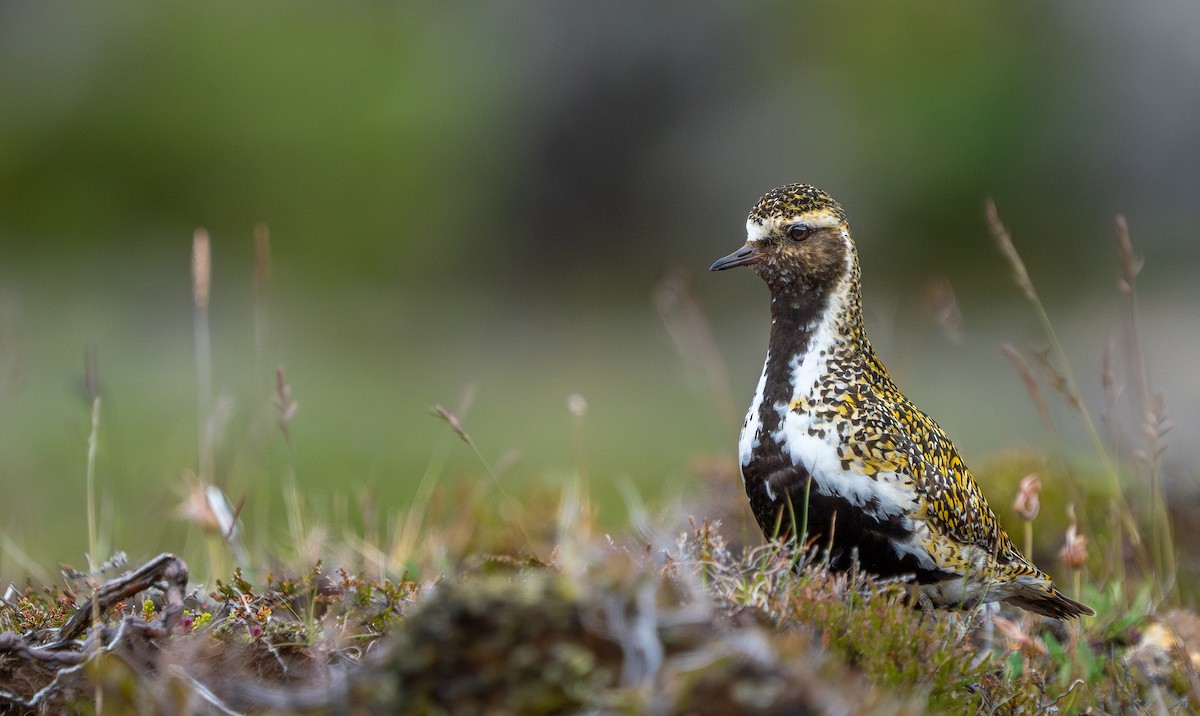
{"x":488,"y":194}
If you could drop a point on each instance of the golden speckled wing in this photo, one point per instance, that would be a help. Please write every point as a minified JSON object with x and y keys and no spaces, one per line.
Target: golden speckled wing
{"x":917,"y":445}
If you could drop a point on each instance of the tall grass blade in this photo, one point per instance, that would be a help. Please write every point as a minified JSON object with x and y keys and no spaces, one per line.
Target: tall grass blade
{"x":1069,"y":384}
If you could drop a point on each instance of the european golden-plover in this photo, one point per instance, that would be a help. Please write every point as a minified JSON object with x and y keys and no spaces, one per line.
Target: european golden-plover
{"x":832,"y":444}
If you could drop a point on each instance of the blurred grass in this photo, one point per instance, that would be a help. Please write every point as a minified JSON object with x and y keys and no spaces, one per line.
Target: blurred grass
{"x":366,"y":366}
{"x":365,"y":370}
{"x":475,"y":195}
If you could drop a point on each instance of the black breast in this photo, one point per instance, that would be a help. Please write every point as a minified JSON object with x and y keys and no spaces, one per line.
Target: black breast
{"x":835,"y":526}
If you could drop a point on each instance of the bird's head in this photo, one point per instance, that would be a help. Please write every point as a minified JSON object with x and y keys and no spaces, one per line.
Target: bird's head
{"x":796,"y":238}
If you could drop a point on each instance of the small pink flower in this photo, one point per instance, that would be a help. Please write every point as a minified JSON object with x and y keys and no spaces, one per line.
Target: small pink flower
{"x":1074,"y":549}
{"x":1026,"y":503}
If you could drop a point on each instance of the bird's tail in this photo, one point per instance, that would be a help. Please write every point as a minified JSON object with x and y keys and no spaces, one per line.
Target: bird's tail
{"x":1050,"y":602}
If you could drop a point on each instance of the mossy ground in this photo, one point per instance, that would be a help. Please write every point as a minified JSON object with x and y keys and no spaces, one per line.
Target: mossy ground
{"x":645,"y":622}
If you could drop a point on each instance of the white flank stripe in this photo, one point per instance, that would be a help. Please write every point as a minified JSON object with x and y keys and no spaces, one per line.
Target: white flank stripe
{"x":747,"y":443}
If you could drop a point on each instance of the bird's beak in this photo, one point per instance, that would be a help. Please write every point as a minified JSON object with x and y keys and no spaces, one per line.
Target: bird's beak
{"x":742,"y":257}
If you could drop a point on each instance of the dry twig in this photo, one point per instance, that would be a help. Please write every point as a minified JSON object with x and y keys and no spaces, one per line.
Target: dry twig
{"x":165,"y":566}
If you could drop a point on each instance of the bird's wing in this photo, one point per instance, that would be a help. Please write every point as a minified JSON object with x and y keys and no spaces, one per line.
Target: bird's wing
{"x":904,"y":439}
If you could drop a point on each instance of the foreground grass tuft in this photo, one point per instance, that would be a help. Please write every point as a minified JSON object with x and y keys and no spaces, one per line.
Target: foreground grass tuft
{"x":616,"y":626}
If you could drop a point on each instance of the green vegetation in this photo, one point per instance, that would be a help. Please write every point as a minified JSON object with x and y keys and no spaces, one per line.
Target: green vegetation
{"x":486,"y":597}
{"x":626,"y":625}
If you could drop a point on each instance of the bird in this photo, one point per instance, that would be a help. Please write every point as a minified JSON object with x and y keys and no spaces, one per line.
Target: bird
{"x":831,"y":449}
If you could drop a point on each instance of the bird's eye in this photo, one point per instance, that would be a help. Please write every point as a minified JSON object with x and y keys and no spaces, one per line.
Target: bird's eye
{"x":799,"y":232}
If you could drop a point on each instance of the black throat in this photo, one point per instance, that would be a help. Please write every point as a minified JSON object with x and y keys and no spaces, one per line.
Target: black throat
{"x":795,"y":316}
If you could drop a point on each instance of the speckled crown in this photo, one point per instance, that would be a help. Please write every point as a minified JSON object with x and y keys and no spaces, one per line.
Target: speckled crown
{"x":794,"y":199}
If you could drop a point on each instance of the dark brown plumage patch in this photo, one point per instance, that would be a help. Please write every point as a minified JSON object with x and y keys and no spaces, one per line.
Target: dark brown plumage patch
{"x":807,"y":270}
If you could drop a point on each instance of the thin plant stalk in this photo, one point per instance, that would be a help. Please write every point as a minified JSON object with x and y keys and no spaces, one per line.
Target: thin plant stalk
{"x":1025,"y":283}
{"x":508,"y":503}
{"x":804,"y":520}
{"x":406,"y":542}
{"x":691,"y":333}
{"x":456,"y":425}
{"x":577,"y":406}
{"x":1021,"y":275}
{"x":1031,"y":387}
{"x":260,"y":371}
{"x":799,"y":531}
{"x":295,"y":514}
{"x":13,"y":551}
{"x":92,"y":447}
{"x":1027,"y":504}
{"x":201,"y":286}
{"x":287,"y":408}
{"x":1028,"y":538}
{"x":92,"y":382}
{"x":1155,"y":424}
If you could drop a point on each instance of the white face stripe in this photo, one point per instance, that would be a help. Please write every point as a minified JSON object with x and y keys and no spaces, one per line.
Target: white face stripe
{"x":756,"y":232}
